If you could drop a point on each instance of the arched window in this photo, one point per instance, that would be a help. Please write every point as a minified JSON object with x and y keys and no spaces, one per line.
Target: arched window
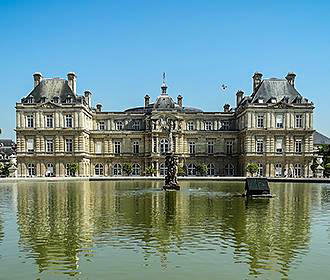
{"x":298,"y":170}
{"x":278,"y":170}
{"x":164,"y":146}
{"x":191,"y":170}
{"x":136,"y":169}
{"x":210,"y":169}
{"x":50,"y":170}
{"x":117,"y":171}
{"x":163,"y":169}
{"x":31,"y":169}
{"x":229,"y":169}
{"x":99,"y":169}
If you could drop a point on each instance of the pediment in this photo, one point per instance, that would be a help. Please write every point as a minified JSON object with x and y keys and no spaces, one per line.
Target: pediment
{"x":48,"y":105}
{"x":281,"y":105}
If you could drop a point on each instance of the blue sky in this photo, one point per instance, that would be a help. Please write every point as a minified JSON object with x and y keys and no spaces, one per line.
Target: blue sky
{"x":119,"y":50}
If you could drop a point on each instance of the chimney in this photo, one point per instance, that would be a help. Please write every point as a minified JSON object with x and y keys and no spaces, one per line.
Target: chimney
{"x":146,"y":100}
{"x":239,"y":97}
{"x":88,"y":98}
{"x":98,"y":107}
{"x":180,"y":99}
{"x":72,"y":81}
{"x":291,"y":78}
{"x":37,"y":77}
{"x":256,"y":80}
{"x":226,"y":108}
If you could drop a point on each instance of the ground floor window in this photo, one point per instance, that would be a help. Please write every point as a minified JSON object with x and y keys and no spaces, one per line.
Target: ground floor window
{"x":50,"y":170}
{"x":278,"y":170}
{"x":260,"y":171}
{"x":298,"y":170}
{"x":210,"y":169}
{"x":162,"y":169}
{"x":191,"y":170}
{"x":117,"y":170}
{"x":31,"y":169}
{"x":136,"y":169}
{"x":99,"y":169}
{"x":229,"y":169}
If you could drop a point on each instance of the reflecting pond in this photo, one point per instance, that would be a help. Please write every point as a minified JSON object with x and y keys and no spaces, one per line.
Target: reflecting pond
{"x":133,"y":230}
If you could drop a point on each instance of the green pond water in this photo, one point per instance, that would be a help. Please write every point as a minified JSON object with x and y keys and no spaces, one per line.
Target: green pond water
{"x":133,"y":230}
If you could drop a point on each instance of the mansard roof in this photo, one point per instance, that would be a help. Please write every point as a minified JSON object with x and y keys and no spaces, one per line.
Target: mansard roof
{"x":319,"y":138}
{"x":276,"y":88}
{"x":49,"y":88}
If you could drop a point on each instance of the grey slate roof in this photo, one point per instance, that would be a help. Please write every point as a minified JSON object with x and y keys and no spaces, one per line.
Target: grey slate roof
{"x":320,"y":138}
{"x":6,"y":143}
{"x":278,"y":88}
{"x":52,"y":87}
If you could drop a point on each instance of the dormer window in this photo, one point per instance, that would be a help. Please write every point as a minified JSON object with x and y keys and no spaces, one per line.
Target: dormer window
{"x":298,"y":100}
{"x":68,"y":100}
{"x":55,"y":99}
{"x":30,"y":99}
{"x":273,"y":100}
{"x":43,"y":99}
{"x":136,"y":125}
{"x":119,"y":125}
{"x":260,"y":100}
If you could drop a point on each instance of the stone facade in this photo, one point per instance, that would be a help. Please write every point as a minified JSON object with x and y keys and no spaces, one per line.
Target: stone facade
{"x":57,"y":128}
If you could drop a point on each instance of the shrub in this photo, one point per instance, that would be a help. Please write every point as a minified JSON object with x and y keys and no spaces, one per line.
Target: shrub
{"x":252,"y":168}
{"x":128,"y":168}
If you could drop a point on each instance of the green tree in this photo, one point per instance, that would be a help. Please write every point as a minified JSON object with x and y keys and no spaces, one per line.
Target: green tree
{"x":181,"y":170}
{"x":73,"y":168}
{"x":325,"y":152}
{"x":201,"y":169}
{"x":4,"y":169}
{"x":327,"y":170}
{"x":150,"y":170}
{"x":128,"y":168}
{"x":252,"y":168}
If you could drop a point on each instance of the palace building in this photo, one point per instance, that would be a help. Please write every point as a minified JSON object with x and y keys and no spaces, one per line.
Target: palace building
{"x":56,"y":128}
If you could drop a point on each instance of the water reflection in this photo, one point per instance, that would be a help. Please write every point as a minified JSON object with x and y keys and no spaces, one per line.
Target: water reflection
{"x":60,"y":223}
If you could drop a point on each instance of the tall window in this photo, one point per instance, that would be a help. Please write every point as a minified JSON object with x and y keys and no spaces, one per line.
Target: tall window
{"x":208,"y":125}
{"x":229,"y":169}
{"x":164,"y":146}
{"x":297,"y":170}
{"x":136,"y":169}
{"x":116,"y":170}
{"x":155,"y":145}
{"x":260,"y":146}
{"x":278,"y":170}
{"x":260,"y":121}
{"x":210,"y":169}
{"x":192,"y":147}
{"x":68,"y":121}
{"x":136,"y":125}
{"x":69,"y":171}
{"x":162,"y":169}
{"x":29,"y":121}
{"x":50,"y":170}
{"x":229,"y":147}
{"x":190,"y":125}
{"x":279,"y":121}
{"x":119,"y":125}
{"x":31,"y":169}
{"x":101,"y":125}
{"x":260,"y":171}
{"x":99,"y":169}
{"x":136,"y":147}
{"x":298,"y":146}
{"x":49,"y":145}
{"x":117,"y":147}
{"x":98,"y":147}
{"x":68,"y":145}
{"x":279,"y":145}
{"x":191,"y":170}
{"x":299,"y":121}
{"x":49,"y":121}
{"x":225,"y":125}
{"x":210,"y":147}
{"x":30,"y":145}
